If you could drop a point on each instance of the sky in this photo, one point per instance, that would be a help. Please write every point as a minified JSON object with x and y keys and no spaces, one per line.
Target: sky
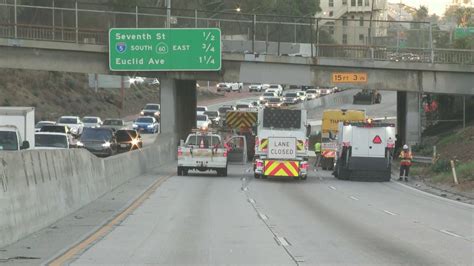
{"x":434,"y":6}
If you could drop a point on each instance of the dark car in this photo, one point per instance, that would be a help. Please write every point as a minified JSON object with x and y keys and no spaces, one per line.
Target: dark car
{"x":153,"y":110}
{"x":114,"y":124}
{"x":99,"y":141}
{"x":128,"y":139}
{"x":291,"y":98}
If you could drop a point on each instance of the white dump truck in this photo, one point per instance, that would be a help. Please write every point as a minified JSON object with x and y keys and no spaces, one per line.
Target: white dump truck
{"x":365,"y":151}
{"x":281,"y":146}
{"x":202,"y":151}
{"x":17,"y":128}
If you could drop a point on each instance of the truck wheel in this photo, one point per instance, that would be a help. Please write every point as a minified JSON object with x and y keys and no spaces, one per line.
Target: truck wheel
{"x":304,"y":177}
{"x":184,"y":171}
{"x":257,"y":176}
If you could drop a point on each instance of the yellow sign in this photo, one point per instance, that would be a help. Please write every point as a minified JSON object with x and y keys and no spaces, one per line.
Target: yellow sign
{"x":349,"y":77}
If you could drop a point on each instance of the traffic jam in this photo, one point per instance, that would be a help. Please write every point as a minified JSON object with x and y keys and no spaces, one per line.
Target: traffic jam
{"x":272,"y":131}
{"x":101,"y":137}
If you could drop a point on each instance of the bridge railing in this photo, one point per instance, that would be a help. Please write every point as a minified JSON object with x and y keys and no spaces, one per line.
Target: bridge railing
{"x":349,"y":38}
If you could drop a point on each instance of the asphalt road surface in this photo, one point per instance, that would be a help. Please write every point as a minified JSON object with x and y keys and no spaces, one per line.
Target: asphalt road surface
{"x":203,"y":219}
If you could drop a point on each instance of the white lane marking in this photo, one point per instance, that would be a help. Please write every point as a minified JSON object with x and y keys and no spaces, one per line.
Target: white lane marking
{"x":281,"y":241}
{"x":262,"y":216}
{"x":251,"y":200}
{"x":434,"y":196}
{"x":331,"y":187}
{"x":388,"y":212}
{"x":353,"y":198}
{"x":450,"y":233}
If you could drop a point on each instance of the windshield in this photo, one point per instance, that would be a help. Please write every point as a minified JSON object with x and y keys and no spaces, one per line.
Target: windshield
{"x":41,"y":124}
{"x":200,"y":109}
{"x":201,"y":118}
{"x":224,"y":109}
{"x":59,"y":129}
{"x":52,"y":141}
{"x":8,"y":141}
{"x":274,"y":86}
{"x":242,"y":106}
{"x":274,"y":100}
{"x":67,"y":121}
{"x":125,"y":135}
{"x":269,"y":94}
{"x":113,"y":123}
{"x":99,"y":134}
{"x":211,"y":113}
{"x":154,"y":107}
{"x":145,"y":120}
{"x":90,"y":120}
{"x":206,"y":141}
{"x":311,"y":91}
{"x":291,"y":95}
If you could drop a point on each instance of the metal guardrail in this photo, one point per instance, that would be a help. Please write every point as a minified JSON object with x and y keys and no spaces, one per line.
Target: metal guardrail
{"x":422,"y":159}
{"x":90,"y":24}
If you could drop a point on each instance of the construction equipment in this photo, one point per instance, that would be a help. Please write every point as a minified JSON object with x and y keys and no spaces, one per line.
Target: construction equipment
{"x":367,"y":96}
{"x":365,"y":151}
{"x":281,"y":146}
{"x":329,"y":130}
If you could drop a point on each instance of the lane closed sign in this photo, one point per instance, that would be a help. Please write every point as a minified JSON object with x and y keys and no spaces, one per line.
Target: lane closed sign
{"x":282,"y":148}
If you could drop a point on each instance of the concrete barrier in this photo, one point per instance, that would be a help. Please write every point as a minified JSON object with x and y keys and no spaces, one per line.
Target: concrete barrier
{"x":38,"y":187}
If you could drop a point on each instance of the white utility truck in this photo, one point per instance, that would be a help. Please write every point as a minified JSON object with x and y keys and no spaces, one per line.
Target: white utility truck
{"x":281,"y":146}
{"x":365,"y":151}
{"x":202,"y":151}
{"x":17,"y":128}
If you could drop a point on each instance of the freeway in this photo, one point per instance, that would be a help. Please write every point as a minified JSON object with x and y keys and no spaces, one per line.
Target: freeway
{"x":202,"y":219}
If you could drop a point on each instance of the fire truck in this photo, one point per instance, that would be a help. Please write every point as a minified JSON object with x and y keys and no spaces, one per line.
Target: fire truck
{"x":281,"y":145}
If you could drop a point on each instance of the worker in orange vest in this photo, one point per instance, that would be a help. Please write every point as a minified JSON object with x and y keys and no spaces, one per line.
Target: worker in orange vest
{"x":405,"y":162}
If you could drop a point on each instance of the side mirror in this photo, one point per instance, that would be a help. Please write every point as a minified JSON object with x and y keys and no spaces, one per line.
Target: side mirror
{"x":25,"y":145}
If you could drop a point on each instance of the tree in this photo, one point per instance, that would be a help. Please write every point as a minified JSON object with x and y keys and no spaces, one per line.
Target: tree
{"x":462,"y":16}
{"x":421,"y":13}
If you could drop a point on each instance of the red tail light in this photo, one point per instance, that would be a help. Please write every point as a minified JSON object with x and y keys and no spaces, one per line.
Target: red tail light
{"x":304,"y":165}
{"x":225,"y":153}
{"x":180,"y":152}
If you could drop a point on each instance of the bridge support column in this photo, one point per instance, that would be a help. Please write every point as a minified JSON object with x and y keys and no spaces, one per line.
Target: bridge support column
{"x":409,"y":117}
{"x":178,"y":106}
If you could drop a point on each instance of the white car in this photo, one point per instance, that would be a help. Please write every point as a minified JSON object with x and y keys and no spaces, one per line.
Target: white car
{"x":51,"y":140}
{"x":201,"y":109}
{"x":92,"y":121}
{"x":73,"y":122}
{"x":203,"y":121}
{"x":301,"y":95}
{"x":255,"y":87}
{"x":268,"y":95}
{"x":40,"y":124}
{"x":312,"y":94}
{"x":10,"y":139}
{"x":277,"y":87}
{"x":323,"y":92}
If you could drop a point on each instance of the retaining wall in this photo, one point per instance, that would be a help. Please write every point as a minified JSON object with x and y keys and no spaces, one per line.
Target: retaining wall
{"x":38,"y":187}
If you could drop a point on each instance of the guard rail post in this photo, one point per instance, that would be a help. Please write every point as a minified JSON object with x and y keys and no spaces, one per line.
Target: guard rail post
{"x":195,"y":18}
{"x":53,"y":22}
{"x":136,"y":16}
{"x":317,"y":37}
{"x":311,"y":41}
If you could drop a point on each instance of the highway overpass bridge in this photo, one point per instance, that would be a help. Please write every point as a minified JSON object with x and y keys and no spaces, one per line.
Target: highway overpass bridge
{"x":253,"y":59}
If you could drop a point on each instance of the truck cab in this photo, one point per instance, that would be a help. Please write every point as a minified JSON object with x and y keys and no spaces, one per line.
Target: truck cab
{"x":10,"y":139}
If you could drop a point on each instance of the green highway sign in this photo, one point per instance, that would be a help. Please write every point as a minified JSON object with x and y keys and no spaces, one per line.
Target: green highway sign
{"x":164,"y":49}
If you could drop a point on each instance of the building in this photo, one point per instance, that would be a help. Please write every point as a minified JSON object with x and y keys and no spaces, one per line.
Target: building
{"x":349,"y":21}
{"x":462,"y":3}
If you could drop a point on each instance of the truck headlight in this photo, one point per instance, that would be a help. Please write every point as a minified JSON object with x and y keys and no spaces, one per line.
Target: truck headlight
{"x":106,"y":144}
{"x":134,"y":125}
{"x":134,"y":142}
{"x":149,"y":126}
{"x":261,"y":98}
{"x":157,"y":113}
{"x":142,"y":113}
{"x":79,"y":144}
